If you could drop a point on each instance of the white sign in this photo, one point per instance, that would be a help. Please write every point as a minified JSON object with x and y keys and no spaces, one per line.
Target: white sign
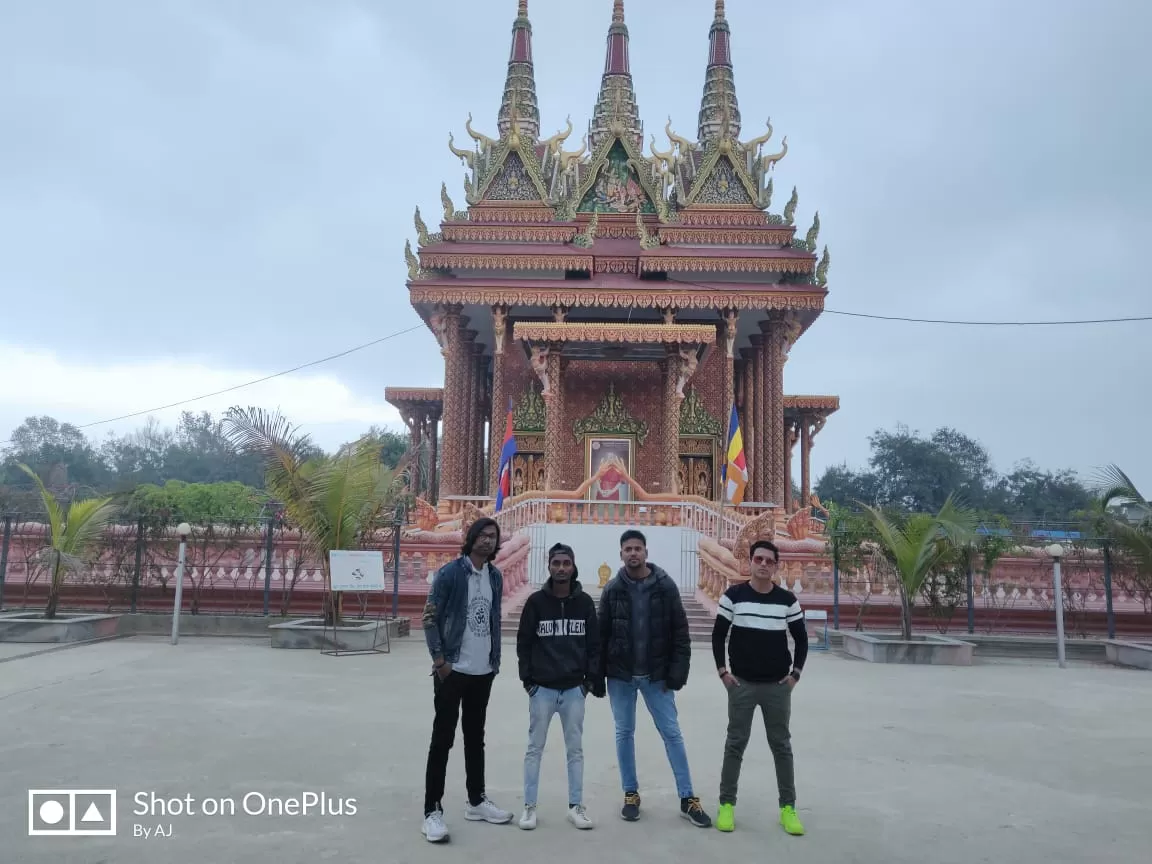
{"x":356,"y":570}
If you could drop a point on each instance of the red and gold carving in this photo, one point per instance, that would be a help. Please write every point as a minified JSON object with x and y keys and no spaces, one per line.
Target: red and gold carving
{"x":682,"y":264}
{"x":620,"y":266}
{"x":445,"y":260}
{"x":670,"y":426}
{"x":506,"y":212}
{"x":829,"y":404}
{"x":727,"y":236}
{"x":695,"y":334}
{"x":471,"y":233}
{"x":775,"y":339}
{"x":499,"y":399}
{"x":394,"y":395}
{"x":802,"y":297}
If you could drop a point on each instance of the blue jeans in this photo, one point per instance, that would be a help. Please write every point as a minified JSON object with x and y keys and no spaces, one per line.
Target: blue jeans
{"x":662,"y":706}
{"x":569,"y":704}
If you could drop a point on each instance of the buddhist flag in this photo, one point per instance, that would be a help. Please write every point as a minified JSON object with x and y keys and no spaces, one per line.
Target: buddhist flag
{"x":504,"y":481}
{"x":735,"y":467}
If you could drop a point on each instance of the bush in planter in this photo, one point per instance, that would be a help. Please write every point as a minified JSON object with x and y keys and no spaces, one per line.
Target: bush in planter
{"x":73,"y":531}
{"x":920,"y":543}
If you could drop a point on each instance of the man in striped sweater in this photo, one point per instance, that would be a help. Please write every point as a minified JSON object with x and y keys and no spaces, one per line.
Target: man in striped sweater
{"x":758,"y":615}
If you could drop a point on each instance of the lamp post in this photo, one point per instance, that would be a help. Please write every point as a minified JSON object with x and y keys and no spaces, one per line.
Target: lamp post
{"x":398,"y":520}
{"x":183,"y":529}
{"x":1056,"y":552}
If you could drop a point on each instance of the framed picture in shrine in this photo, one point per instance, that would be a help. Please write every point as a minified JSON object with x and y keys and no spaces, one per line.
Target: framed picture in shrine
{"x":612,"y":459}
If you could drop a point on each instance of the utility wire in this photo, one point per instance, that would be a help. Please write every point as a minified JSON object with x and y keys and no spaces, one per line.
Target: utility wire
{"x":255,"y":381}
{"x":1063,"y":323}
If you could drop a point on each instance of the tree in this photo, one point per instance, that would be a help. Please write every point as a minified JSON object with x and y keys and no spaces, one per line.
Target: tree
{"x":72,"y":532}
{"x":196,"y":503}
{"x":337,"y":502}
{"x":1131,"y":537}
{"x":917,"y":544}
{"x":1032,"y":495}
{"x":58,"y":453}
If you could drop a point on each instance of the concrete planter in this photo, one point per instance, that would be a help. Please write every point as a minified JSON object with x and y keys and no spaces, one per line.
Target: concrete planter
{"x":1135,"y":654}
{"x":65,"y":627}
{"x":310,"y":633}
{"x":892,"y":648}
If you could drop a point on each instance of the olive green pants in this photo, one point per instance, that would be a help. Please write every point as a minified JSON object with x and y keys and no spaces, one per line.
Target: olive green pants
{"x":775,"y":701}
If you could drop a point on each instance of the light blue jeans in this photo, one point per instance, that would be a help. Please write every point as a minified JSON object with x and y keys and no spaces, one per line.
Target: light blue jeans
{"x":569,"y":704}
{"x":662,"y":706}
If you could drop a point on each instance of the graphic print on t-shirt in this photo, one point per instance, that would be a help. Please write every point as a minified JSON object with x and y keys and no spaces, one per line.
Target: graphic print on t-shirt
{"x":479,"y":616}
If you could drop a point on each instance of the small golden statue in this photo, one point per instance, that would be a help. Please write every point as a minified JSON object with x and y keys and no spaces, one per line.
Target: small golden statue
{"x":605,"y":573}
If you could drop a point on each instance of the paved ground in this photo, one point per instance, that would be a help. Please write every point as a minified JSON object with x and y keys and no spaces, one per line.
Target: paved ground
{"x":1019,"y":762}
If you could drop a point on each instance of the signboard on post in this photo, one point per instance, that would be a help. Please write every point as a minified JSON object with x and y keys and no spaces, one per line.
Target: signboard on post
{"x":357,"y":570}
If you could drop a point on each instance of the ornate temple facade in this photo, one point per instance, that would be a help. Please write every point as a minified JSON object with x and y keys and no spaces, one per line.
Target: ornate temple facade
{"x":619,"y":301}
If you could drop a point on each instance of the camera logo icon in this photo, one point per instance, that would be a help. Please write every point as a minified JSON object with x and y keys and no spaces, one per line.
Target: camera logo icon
{"x":71,"y":812}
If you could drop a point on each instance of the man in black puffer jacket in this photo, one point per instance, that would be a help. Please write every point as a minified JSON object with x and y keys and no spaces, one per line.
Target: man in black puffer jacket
{"x":558,"y":646}
{"x":645,"y":649}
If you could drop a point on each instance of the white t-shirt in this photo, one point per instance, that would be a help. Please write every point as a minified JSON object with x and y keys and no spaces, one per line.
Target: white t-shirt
{"x":476,"y":647}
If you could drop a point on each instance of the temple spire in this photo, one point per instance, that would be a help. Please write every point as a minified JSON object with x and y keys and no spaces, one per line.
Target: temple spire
{"x":719,"y":110}
{"x":616,"y":107}
{"x":519,"y":104}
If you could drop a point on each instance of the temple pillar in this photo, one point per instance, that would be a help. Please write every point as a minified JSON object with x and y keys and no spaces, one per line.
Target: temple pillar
{"x":774,"y":351}
{"x":759,"y":455}
{"x":790,"y":435}
{"x":480,"y":390}
{"x":415,"y":425}
{"x":456,"y":357}
{"x":729,"y":335}
{"x":805,"y":460}
{"x":433,"y":458}
{"x":497,"y":430}
{"x":748,"y":417}
{"x":468,"y":372}
{"x":554,"y":423}
{"x":670,"y":425}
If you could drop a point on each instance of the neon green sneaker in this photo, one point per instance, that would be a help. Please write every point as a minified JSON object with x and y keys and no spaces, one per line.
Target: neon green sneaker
{"x":726,"y":818}
{"x":791,"y":821}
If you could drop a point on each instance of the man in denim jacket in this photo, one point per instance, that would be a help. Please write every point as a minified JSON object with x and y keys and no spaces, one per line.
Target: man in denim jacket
{"x":462,"y":629}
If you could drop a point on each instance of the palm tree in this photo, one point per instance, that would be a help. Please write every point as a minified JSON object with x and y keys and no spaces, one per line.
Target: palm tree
{"x":72,"y":532}
{"x":917,"y":544}
{"x":1131,"y":539}
{"x":337,"y":502}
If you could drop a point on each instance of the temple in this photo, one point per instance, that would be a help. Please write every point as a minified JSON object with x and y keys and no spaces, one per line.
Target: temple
{"x":618,"y":302}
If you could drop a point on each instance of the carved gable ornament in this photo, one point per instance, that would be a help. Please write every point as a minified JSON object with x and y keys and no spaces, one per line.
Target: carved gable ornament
{"x":611,"y":418}
{"x":530,"y":415}
{"x":695,"y":419}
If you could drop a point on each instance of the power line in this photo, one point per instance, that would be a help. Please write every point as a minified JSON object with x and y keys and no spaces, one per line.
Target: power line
{"x":990,"y":323}
{"x":251,"y":383}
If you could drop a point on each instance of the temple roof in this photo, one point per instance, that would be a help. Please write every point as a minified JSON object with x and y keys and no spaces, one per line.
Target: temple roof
{"x":719,"y":110}
{"x":409,"y":397}
{"x":518,"y":105}
{"x":616,"y":105}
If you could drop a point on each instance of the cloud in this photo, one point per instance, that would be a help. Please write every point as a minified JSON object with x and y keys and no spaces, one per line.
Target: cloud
{"x":81,"y":393}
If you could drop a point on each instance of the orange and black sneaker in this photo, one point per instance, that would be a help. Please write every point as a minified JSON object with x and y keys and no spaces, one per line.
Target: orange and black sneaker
{"x":691,"y":810}
{"x":631,"y":810}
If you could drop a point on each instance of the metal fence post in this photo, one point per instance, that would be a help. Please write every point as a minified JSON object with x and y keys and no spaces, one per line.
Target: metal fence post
{"x":835,"y":582}
{"x":1111,"y":613}
{"x":268,"y":562}
{"x":971,"y":598}
{"x":139,"y":560}
{"x":4,"y":555}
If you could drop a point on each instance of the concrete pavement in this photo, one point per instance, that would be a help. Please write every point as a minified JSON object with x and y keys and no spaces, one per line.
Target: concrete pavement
{"x":1007,"y":761}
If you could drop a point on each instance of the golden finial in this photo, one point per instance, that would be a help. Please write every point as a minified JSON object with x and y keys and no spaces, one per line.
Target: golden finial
{"x":648,"y":240}
{"x":523,"y":10}
{"x":769,"y":162}
{"x":449,"y":207}
{"x":768,"y":194}
{"x":480,"y":137}
{"x":412,"y":261}
{"x":790,"y":208}
{"x":813,"y":233}
{"x":422,"y":238}
{"x":466,"y":156}
{"x":719,"y":10}
{"x":822,"y":268}
{"x":754,"y":145}
{"x":618,"y":12}
{"x":587,"y":237}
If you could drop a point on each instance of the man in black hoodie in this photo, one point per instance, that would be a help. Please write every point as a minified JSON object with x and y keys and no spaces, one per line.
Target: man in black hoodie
{"x":645,"y":650}
{"x":558,"y":647}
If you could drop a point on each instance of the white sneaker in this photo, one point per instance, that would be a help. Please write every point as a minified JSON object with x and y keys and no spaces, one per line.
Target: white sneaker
{"x":528,"y":820}
{"x":434,"y":829}
{"x":486,"y":811}
{"x":578,"y":816}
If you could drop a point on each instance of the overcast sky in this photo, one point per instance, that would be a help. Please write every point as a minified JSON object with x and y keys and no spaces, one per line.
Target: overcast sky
{"x":194,"y":193}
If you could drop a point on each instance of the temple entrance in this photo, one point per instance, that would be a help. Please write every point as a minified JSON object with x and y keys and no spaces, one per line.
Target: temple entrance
{"x":527,"y":473}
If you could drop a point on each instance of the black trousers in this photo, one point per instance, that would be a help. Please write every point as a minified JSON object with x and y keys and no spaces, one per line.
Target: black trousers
{"x":455,"y":695}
